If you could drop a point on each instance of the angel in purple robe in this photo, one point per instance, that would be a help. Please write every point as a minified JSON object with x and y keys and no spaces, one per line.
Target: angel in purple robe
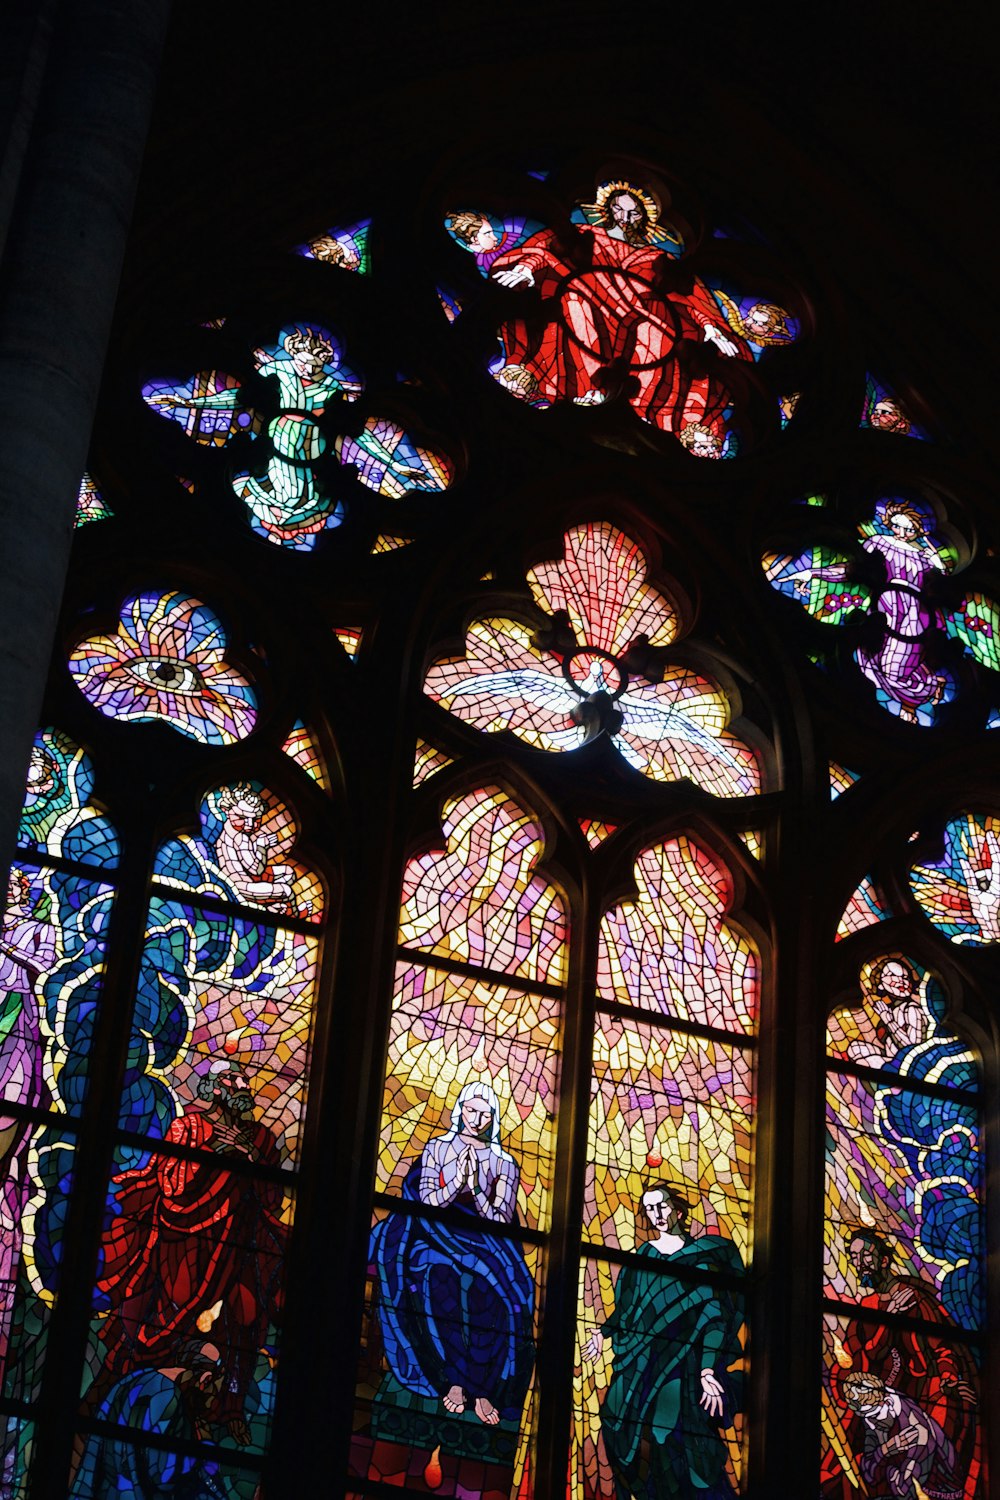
{"x":27,"y":951}
{"x":897,"y":667}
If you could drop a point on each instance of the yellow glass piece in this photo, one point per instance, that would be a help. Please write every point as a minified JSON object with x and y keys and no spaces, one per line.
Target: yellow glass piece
{"x":387,"y":543}
{"x":596,"y":832}
{"x":303,"y":747}
{"x":480,"y":900}
{"x":426,"y":761}
{"x":754,"y":840}
{"x":349,"y":637}
{"x":841,"y":779}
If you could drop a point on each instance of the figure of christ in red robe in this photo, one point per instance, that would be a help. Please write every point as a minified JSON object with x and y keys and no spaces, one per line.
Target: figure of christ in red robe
{"x":937,"y":1373}
{"x":616,"y":317}
{"x":194,"y":1241}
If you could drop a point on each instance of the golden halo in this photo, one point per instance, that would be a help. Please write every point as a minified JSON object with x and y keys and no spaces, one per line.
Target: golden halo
{"x":605,"y":191}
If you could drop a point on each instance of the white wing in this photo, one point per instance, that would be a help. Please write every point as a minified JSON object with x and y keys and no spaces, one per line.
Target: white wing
{"x":525,"y":689}
{"x":656,"y":721}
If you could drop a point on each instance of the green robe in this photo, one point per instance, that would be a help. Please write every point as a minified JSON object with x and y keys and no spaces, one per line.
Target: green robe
{"x":661,"y":1443}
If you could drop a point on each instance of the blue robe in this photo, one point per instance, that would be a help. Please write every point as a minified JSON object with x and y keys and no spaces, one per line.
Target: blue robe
{"x":116,"y":1468}
{"x":455,"y":1305}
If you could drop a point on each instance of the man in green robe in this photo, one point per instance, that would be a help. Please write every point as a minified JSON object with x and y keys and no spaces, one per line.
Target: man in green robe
{"x":674,"y":1338}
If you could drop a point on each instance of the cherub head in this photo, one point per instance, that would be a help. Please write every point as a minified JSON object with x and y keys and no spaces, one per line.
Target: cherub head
{"x":327,"y":249}
{"x":308,"y":351}
{"x":765,"y":321}
{"x":887,"y":416}
{"x":473,"y":230}
{"x":243,"y":806}
{"x":905,"y":521}
{"x":700,"y":440}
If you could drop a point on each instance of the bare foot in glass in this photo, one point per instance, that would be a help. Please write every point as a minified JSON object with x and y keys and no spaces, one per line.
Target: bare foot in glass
{"x":455,"y":1400}
{"x":486,"y":1411}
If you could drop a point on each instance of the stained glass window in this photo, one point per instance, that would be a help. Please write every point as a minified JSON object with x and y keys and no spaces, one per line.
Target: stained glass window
{"x":508,"y":1185}
{"x":904,"y":1251}
{"x":53,"y":952}
{"x":463,"y":1182}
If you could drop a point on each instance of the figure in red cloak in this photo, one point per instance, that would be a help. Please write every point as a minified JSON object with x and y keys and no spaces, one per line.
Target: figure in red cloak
{"x":617,"y":320}
{"x":196,"y":1247}
{"x":930,"y":1369}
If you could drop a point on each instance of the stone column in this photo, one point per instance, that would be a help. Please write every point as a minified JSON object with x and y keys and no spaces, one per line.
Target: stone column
{"x":74,"y":142}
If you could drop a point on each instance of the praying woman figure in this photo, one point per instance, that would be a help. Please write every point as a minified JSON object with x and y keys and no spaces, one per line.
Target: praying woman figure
{"x":456,"y":1299}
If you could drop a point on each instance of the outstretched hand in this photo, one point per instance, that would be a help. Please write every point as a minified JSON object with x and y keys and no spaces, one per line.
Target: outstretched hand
{"x":715,"y":336}
{"x":712,"y":1394}
{"x":594,"y":1345}
{"x":515,"y":276}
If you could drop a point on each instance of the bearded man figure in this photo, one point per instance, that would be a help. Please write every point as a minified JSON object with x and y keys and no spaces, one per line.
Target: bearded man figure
{"x":196,"y":1246}
{"x":617,"y":320}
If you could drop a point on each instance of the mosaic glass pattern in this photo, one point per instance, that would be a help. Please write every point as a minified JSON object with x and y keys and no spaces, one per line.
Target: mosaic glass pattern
{"x":899,"y":1026}
{"x":615,"y":327}
{"x":905,"y":1166}
{"x":90,"y":503}
{"x":884,"y":1384}
{"x":288,"y":502}
{"x":904,"y":667}
{"x":449,"y":1028}
{"x":558,"y":699}
{"x":479,"y":901}
{"x":595,"y":832}
{"x":904,"y":1237}
{"x":405,"y":1434}
{"x":976,"y":624}
{"x":659,"y":1369}
{"x":668,"y":1189}
{"x":173,"y":1404}
{"x":760,"y":325}
{"x":388,"y":542}
{"x":190,"y":1278}
{"x":346,"y":247}
{"x":787,"y":405}
{"x":882,"y":411}
{"x":816,"y":580}
{"x":426,"y":760}
{"x":167,"y":662}
{"x":864,"y":909}
{"x":672,"y":950}
{"x":350,"y":637}
{"x":392,"y":462}
{"x":451,"y":303}
{"x":209,"y":406}
{"x":670,"y":1105}
{"x":242,"y":854}
{"x":302,"y":746}
{"x":52,"y":951}
{"x":188,"y":1293}
{"x":841,"y":779}
{"x":445,"y":1395}
{"x":17,"y":1436}
{"x":58,"y":816}
{"x":960,"y":892}
{"x":754,"y":841}
{"x":219,"y":992}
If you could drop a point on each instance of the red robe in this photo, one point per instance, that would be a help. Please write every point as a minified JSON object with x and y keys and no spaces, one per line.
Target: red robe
{"x":923,"y":1366}
{"x":190,"y":1234}
{"x":614,"y":312}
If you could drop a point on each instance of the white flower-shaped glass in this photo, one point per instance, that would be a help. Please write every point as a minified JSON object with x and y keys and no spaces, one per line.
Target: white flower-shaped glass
{"x":167,"y":661}
{"x":557,"y":699}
